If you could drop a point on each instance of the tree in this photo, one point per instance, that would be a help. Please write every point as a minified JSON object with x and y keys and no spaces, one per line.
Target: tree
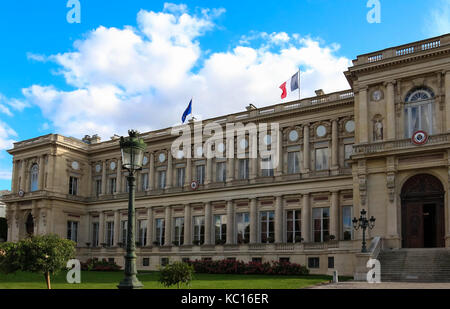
{"x":46,"y":254}
{"x":176,"y":273}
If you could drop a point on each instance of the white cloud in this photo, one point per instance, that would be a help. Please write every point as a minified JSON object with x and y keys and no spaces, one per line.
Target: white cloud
{"x":143,"y":77}
{"x":7,"y":135}
{"x":438,"y":21}
{"x":5,"y":175}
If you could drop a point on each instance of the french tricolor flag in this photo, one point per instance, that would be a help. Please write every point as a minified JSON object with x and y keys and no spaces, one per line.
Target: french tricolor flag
{"x":290,"y":85}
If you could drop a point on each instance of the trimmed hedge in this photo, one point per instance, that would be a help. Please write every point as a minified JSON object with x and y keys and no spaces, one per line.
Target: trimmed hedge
{"x":95,"y":265}
{"x":239,"y":267}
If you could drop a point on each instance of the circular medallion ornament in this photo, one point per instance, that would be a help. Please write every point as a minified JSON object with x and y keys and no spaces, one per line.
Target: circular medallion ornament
{"x":98,"y":168}
{"x":112,"y":166}
{"x":293,"y":135}
{"x":194,"y":185}
{"x":377,"y":95}
{"x":21,"y":193}
{"x":162,"y":157}
{"x":419,"y":138}
{"x":321,"y":131}
{"x":145,"y":161}
{"x":75,"y":165}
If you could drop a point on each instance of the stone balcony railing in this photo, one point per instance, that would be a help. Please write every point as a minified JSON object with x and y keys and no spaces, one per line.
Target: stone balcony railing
{"x":399,"y":145}
{"x":403,"y":50}
{"x":249,"y":248}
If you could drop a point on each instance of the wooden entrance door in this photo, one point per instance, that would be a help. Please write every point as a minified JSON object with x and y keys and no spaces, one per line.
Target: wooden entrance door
{"x":414,"y":225}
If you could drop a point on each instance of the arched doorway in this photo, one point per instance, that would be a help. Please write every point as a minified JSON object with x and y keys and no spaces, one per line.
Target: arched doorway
{"x":29,"y":225}
{"x":423,"y":217}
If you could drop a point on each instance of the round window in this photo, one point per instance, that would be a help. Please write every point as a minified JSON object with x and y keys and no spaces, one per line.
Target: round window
{"x":162,"y":157}
{"x":293,"y":135}
{"x":144,"y":161}
{"x":321,"y":131}
{"x":243,"y":143}
{"x":112,"y":166}
{"x":350,"y":126}
{"x":98,"y":168}
{"x":75,"y":165}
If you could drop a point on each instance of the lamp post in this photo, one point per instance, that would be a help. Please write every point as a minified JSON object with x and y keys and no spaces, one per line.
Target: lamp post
{"x":363,"y":223}
{"x":132,"y":149}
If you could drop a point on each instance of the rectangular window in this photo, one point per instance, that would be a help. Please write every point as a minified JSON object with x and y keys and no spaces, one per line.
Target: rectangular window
{"x":321,"y":223}
{"x":123,"y":231}
{"x":145,"y":262}
{"x":179,"y":232}
{"x":267,"y":224}
{"x":109,"y":233}
{"x":200,"y":174}
{"x":321,"y":159}
{"x":98,"y":187}
{"x":95,"y":234}
{"x":347,"y":225}
{"x":293,"y":226}
{"x":199,"y":230}
{"x":293,"y":162}
{"x":112,"y":185}
{"x":162,"y":179}
{"x":243,"y":227}
{"x":220,"y":228}
{"x":160,"y":226}
{"x":266,"y":167}
{"x":142,"y":232}
{"x":313,"y":262}
{"x":180,"y":176}
{"x":243,"y":169}
{"x":285,"y":260}
{"x":185,"y":260}
{"x":164,"y":261}
{"x":257,"y":260}
{"x":221,"y":172}
{"x":331,"y":262}
{"x":72,"y":230}
{"x":144,"y":182}
{"x":73,"y":185}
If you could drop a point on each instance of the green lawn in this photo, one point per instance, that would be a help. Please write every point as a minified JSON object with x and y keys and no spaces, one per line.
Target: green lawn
{"x":109,"y":280}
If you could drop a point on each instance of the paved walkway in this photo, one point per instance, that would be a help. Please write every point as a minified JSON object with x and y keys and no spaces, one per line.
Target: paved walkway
{"x":382,"y":285}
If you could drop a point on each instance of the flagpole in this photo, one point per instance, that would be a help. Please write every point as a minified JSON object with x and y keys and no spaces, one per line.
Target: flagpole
{"x":299,"y":83}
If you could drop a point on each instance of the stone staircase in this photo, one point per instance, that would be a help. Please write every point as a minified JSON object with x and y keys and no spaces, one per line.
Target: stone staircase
{"x":415,"y":265}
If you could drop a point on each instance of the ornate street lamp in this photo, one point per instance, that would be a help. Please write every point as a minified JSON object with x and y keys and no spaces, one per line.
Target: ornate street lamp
{"x":132,"y":148}
{"x":363,"y":223}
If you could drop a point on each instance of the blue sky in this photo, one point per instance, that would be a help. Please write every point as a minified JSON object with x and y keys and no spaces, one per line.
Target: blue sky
{"x":136,"y":64}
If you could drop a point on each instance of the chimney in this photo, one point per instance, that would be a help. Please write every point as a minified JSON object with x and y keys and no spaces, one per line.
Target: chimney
{"x":319,"y":92}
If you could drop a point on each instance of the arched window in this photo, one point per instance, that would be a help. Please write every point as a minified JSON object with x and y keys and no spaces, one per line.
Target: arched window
{"x":34,"y":177}
{"x":419,"y":111}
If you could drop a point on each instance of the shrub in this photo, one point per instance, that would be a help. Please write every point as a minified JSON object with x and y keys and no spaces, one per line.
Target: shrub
{"x":239,"y":267}
{"x":176,"y":273}
{"x":96,"y":265}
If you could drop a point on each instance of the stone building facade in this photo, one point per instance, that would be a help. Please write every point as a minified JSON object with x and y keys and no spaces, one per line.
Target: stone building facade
{"x":341,"y":152}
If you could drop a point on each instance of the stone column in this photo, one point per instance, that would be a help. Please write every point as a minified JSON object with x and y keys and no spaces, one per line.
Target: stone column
{"x":253,"y":168}
{"x":253,"y":221}
{"x":151,"y":172}
{"x":208,"y":171}
{"x":188,"y":175}
{"x":14,"y":178}
{"x":101,"y":228}
{"x":169,"y":171}
{"x":306,"y":150}
{"x":334,"y":214}
{"x":116,"y":228}
{"x":22,"y":175}
{"x":149,"y":227}
{"x":41,"y":173}
{"x":168,"y":227}
{"x":306,"y":218}
{"x":447,"y":98}
{"x":230,"y":222}
{"x":187,"y":225}
{"x":230,"y":170}
{"x":334,"y":145}
{"x":50,"y":171}
{"x":119,"y":176}
{"x":390,"y":110}
{"x":208,"y":223}
{"x":89,"y":180}
{"x":278,"y":219}
{"x":279,"y":153}
{"x":363,"y":116}
{"x":104,"y":178}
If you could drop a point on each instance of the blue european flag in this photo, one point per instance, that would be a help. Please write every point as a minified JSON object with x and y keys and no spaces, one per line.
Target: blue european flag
{"x":187,"y":112}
